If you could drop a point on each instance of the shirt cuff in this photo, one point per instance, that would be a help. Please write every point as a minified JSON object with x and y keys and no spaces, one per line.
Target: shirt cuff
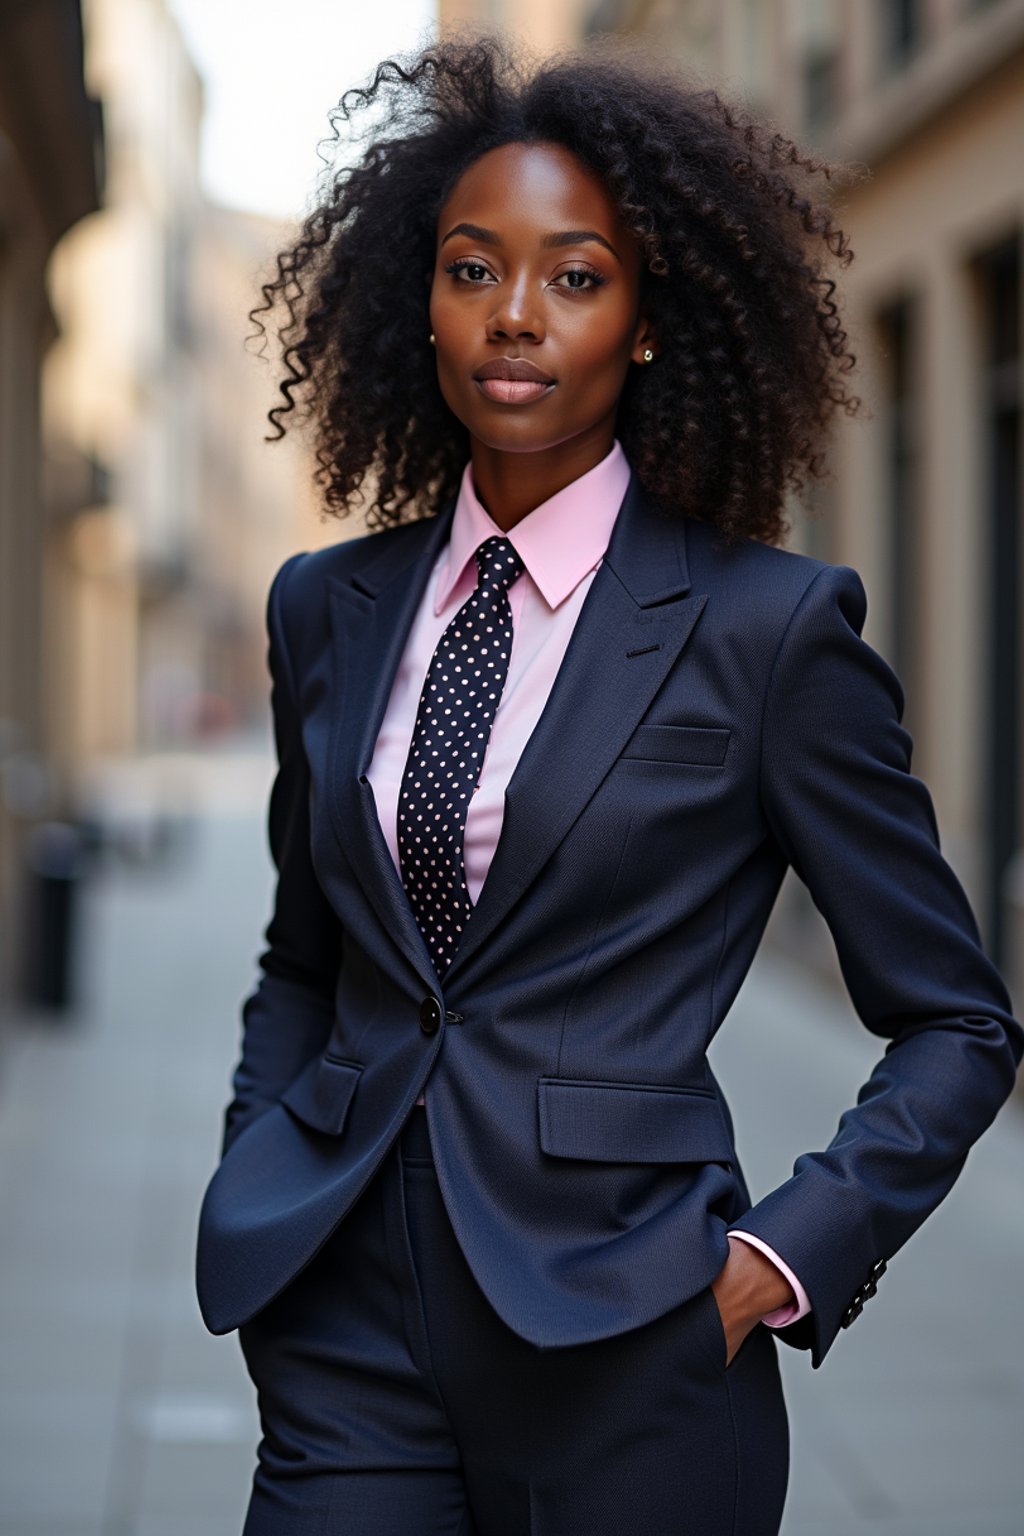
{"x":792,"y":1309}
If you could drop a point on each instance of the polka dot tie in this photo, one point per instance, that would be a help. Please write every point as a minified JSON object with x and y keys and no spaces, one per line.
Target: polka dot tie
{"x":460,"y":697}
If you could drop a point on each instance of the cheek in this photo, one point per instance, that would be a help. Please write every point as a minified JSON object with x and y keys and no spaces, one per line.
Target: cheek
{"x":599,"y":363}
{"x":444,"y":315}
{"x":596,"y":343}
{"x":596,"y":373}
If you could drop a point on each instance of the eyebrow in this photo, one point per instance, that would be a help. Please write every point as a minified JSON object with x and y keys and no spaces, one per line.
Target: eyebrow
{"x":561,"y":237}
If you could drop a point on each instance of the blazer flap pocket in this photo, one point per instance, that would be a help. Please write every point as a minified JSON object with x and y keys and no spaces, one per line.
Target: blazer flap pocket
{"x":321,"y":1094}
{"x":679,"y":744}
{"x":631,"y":1122}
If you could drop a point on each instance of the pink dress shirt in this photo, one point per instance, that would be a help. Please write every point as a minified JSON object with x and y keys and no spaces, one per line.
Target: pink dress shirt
{"x":561,"y":543}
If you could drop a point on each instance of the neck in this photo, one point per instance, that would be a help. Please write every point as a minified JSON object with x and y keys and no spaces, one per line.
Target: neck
{"x":509,"y":485}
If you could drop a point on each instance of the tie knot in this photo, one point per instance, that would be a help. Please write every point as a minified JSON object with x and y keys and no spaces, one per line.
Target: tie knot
{"x":498,"y":563}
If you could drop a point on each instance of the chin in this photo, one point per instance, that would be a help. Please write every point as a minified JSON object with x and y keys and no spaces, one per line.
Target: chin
{"x":516,"y":436}
{"x":542,"y":445}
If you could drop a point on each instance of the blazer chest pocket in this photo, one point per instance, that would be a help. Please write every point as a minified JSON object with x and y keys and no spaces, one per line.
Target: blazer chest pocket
{"x":700,"y":744}
{"x":631,"y":1122}
{"x":321,"y":1094}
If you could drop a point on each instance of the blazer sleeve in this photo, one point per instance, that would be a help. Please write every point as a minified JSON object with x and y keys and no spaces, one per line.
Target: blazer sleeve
{"x":288,"y":1017}
{"x":859,"y":829}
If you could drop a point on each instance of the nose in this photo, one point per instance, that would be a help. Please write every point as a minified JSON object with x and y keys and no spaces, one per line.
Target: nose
{"x":515,"y":312}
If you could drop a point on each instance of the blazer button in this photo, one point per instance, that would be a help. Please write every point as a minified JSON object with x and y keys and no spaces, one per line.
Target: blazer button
{"x":430,"y":1016}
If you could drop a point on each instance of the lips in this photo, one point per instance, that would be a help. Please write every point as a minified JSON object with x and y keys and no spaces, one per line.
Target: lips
{"x":514,"y":368}
{"x":512,"y":380}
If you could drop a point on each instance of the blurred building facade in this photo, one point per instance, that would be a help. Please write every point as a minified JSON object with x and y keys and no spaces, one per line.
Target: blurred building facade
{"x":926,"y":495}
{"x":257,"y":502}
{"x":120,"y":392}
{"x":142,"y":513}
{"x":51,"y":177}
{"x":546,"y":25}
{"x":164,"y":576}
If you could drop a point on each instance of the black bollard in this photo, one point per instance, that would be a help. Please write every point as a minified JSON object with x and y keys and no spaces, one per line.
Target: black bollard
{"x":55,"y":862}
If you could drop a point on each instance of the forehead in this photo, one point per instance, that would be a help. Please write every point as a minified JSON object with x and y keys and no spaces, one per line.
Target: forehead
{"x":541,"y":185}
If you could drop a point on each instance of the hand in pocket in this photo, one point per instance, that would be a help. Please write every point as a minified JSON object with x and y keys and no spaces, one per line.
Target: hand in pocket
{"x":746,"y":1288}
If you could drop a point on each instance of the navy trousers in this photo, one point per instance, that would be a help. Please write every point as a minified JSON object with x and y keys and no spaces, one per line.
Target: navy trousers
{"x":395,"y":1402}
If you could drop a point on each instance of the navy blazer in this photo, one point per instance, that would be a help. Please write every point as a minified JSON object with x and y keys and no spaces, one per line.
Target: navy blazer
{"x":716,"y":718}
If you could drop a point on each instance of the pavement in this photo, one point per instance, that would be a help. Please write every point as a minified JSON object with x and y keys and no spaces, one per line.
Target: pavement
{"x":121,"y":1416}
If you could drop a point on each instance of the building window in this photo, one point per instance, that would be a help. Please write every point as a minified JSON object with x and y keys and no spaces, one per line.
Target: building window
{"x":820,"y":43}
{"x":898,"y":331}
{"x":998,"y":275}
{"x":899,"y":33}
{"x":821,"y":90}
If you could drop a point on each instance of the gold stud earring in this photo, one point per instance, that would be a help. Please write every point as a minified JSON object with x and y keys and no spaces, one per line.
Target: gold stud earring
{"x":648,"y":355}
{"x":431,"y":338}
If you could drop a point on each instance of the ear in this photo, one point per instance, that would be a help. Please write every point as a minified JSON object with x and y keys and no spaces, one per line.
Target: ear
{"x":643,"y":338}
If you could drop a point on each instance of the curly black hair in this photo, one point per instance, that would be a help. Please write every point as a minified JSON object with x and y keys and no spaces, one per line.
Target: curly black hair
{"x":752,"y":348}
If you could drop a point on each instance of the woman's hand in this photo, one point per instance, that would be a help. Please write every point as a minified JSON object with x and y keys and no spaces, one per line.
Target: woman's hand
{"x":746,"y":1287}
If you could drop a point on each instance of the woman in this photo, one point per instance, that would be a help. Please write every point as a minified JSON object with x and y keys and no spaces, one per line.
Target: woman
{"x":545,"y":753}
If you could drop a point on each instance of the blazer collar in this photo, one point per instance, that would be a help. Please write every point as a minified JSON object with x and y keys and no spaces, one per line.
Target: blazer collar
{"x":647,"y":551}
{"x":636,"y":619}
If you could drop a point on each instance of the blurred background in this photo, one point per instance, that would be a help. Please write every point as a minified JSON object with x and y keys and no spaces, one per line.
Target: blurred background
{"x":154,"y":155}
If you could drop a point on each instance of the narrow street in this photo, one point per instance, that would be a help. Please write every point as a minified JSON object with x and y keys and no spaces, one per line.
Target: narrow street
{"x":121,"y":1416}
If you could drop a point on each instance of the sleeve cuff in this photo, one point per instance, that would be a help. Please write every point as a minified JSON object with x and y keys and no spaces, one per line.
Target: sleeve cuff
{"x":782,"y":1316}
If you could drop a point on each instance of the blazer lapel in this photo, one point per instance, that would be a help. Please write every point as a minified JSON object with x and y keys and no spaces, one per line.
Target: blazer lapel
{"x":635,"y":621}
{"x":371,"y":614}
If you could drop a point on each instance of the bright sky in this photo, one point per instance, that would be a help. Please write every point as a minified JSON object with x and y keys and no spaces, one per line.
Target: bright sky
{"x":272,"y":72}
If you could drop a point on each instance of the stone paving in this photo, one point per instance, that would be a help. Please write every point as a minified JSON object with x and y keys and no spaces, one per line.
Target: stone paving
{"x":121,"y":1416}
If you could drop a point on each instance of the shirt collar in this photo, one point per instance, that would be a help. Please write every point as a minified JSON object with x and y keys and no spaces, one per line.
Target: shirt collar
{"x":559,"y":541}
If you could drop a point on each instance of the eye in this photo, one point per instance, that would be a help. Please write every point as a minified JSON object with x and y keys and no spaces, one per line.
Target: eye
{"x":467,"y":264}
{"x":596,"y":278}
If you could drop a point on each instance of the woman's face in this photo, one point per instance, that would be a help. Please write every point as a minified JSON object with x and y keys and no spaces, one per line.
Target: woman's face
{"x":534,"y":264}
